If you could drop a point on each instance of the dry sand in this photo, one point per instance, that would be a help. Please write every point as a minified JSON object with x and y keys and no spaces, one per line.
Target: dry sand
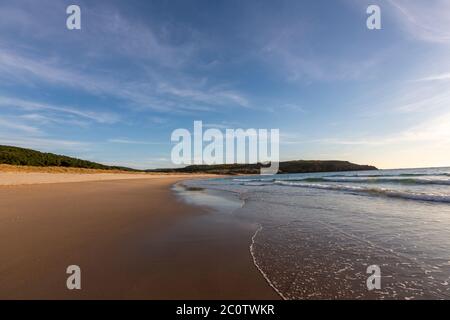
{"x":21,"y":175}
{"x":14,"y":178}
{"x":133,"y":239}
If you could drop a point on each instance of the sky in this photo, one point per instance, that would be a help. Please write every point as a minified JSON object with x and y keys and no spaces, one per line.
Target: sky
{"x":114,"y":91}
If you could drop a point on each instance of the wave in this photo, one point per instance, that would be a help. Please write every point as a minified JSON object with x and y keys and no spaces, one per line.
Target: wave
{"x":347,"y":179}
{"x":437,"y":174}
{"x":254,"y":180}
{"x":372,"y":191}
{"x":374,"y":180}
{"x":255,"y":184}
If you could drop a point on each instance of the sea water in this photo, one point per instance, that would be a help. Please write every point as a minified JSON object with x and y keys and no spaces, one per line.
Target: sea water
{"x":316,"y":234}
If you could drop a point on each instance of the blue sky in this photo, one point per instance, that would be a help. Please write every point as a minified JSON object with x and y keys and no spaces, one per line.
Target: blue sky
{"x":115,"y":90}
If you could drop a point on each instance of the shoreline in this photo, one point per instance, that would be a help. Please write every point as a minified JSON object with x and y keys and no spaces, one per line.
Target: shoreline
{"x":225,"y":202}
{"x":255,"y":262}
{"x":130,"y":237}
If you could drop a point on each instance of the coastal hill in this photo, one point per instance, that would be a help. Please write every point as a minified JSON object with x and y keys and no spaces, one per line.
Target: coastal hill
{"x":26,"y":157}
{"x":297,"y":166}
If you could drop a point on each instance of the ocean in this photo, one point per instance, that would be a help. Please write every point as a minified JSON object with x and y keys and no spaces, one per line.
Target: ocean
{"x":316,"y":234}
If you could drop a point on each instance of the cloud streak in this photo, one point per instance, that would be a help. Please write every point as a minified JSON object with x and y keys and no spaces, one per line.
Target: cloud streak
{"x":107,"y":118}
{"x":14,"y":126}
{"x":425,"y":20}
{"x":130,"y":141}
{"x":436,"y":77}
{"x":46,"y":144}
{"x":146,"y":94}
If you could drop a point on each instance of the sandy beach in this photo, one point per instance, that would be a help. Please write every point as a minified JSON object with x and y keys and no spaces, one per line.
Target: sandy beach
{"x":131,"y":236}
{"x":26,"y":175}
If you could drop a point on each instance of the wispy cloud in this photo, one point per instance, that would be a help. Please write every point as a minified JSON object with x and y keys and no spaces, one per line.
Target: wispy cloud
{"x":33,"y":70}
{"x":140,"y":41}
{"x":223,"y":125}
{"x":299,"y":66}
{"x":119,"y":35}
{"x":14,"y":126}
{"x":292,"y":51}
{"x":436,"y":129}
{"x":425,"y":20}
{"x":46,"y":120}
{"x":145,"y":93}
{"x":46,"y":144}
{"x":99,"y":117}
{"x":146,"y":163}
{"x":211,"y":96}
{"x":154,"y":78}
{"x":436,"y":77}
{"x":419,"y":101}
{"x":423,"y":95}
{"x":130,"y":141}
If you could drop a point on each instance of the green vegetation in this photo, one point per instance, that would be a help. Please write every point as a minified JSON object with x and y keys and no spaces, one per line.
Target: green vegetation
{"x":28,"y":157}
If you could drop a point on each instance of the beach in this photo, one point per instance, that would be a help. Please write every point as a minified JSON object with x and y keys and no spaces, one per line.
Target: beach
{"x":132,"y":237}
{"x":165,"y":236}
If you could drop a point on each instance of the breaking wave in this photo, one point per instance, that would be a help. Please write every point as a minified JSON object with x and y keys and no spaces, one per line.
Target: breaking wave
{"x":372,"y":191}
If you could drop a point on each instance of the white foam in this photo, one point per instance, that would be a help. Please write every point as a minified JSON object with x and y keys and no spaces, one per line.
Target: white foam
{"x":266,"y":277}
{"x":373,"y":191}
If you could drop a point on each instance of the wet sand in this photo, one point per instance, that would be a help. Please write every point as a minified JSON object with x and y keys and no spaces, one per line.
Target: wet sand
{"x":133,"y":239}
